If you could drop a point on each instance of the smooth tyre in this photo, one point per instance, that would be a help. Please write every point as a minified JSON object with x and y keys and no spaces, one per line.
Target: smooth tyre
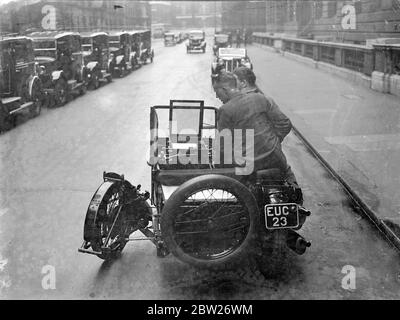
{"x":133,"y":63}
{"x":105,"y":227}
{"x":7,"y":121}
{"x":61,"y":92}
{"x":37,"y":99}
{"x":95,"y":82}
{"x":121,"y":71}
{"x":210,"y":222}
{"x":83,"y":89}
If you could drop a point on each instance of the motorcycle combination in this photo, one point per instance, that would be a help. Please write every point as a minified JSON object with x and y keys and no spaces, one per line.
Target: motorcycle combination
{"x":205,"y":215}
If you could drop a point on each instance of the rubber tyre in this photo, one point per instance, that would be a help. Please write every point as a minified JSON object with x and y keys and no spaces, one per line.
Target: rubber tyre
{"x":37,"y":98}
{"x":61,"y":92}
{"x":210,"y":182}
{"x":83,"y":89}
{"x":7,"y":122}
{"x":36,"y":109}
{"x":122,"y":72}
{"x":95,"y":83}
{"x":95,"y":230}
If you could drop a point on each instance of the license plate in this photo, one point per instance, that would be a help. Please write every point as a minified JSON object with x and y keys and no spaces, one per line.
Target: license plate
{"x":281,"y":216}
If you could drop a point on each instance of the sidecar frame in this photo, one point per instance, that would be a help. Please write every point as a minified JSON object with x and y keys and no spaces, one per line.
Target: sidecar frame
{"x":168,"y":174}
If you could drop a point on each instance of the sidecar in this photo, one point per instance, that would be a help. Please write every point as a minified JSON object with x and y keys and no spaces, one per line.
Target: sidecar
{"x":206,"y":214}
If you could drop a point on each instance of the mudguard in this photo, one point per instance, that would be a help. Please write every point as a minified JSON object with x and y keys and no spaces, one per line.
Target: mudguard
{"x":248,"y":65}
{"x":30,"y":84}
{"x":119,"y":59}
{"x":93,"y":209}
{"x":91,"y":65}
{"x":91,"y":228}
{"x":55,"y":75}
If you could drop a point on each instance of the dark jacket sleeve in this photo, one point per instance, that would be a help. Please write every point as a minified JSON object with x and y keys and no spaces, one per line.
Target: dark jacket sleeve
{"x":224,"y":120}
{"x":280,"y":121}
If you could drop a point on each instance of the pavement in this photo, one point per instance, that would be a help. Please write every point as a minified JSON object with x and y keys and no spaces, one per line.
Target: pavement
{"x":355,"y":129}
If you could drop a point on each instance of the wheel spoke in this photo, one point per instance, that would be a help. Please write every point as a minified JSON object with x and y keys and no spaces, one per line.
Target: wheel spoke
{"x":209,"y":227}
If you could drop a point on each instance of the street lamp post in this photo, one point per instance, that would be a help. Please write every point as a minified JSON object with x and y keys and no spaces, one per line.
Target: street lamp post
{"x":215,"y":17}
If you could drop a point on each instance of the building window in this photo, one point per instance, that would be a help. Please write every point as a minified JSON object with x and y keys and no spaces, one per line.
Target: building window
{"x":358,"y":6}
{"x":318,"y":9}
{"x":332,"y":8}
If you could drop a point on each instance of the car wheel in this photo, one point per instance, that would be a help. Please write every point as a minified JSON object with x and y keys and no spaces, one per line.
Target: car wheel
{"x":37,"y":99}
{"x":95,"y":81}
{"x":207,"y":232}
{"x":122,"y":71}
{"x":83,"y":89}
{"x":7,"y":122}
{"x":61,"y":92}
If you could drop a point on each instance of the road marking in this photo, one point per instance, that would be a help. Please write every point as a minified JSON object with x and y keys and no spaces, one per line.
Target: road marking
{"x":373,"y":142}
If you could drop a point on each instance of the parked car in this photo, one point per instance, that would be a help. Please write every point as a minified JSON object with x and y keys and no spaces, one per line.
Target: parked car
{"x":182,"y":36}
{"x":146,"y":51}
{"x":62,"y":69}
{"x":170,"y":39}
{"x":229,"y":59}
{"x":135,"y":45}
{"x":221,"y":40}
{"x":20,"y":86}
{"x":197,"y":41}
{"x":96,"y":58}
{"x":120,"y":53}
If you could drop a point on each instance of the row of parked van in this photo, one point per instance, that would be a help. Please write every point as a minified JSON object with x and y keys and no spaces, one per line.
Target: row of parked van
{"x":49,"y":68}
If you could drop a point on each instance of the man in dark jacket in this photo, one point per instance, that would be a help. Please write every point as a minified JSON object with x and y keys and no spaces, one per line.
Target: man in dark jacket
{"x":250,"y":110}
